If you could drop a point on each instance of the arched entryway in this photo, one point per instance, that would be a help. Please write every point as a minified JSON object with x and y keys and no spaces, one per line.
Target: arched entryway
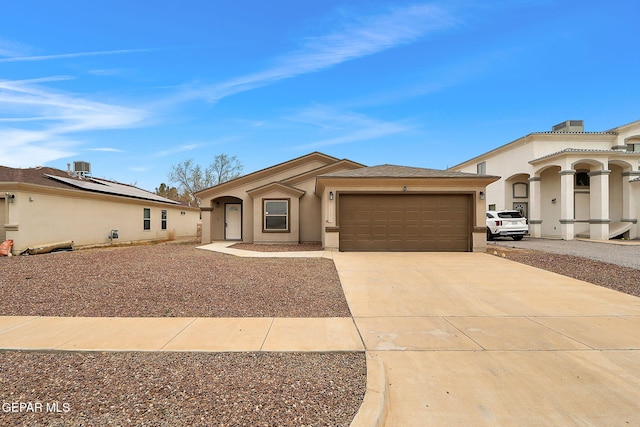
{"x":226,"y":218}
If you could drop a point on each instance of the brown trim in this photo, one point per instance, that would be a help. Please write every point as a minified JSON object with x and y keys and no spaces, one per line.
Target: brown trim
{"x":263,"y":173}
{"x":312,"y":174}
{"x":332,"y":229}
{"x":480,"y":229}
{"x":273,"y":187}
{"x":279,"y":199}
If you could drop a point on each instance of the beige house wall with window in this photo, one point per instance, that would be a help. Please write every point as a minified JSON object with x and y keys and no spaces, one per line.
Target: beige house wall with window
{"x":293,"y":181}
{"x":40,"y":215}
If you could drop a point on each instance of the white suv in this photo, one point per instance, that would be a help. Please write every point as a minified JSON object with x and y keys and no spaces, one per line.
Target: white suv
{"x":506,"y":224}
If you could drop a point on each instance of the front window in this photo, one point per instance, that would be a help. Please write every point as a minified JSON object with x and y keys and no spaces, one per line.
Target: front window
{"x":582,"y":179}
{"x":163,"y":218}
{"x":146,"y":223}
{"x":634,"y":147}
{"x":276,"y":215}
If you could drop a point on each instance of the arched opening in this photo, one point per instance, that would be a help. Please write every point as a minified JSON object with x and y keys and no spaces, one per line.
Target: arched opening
{"x":226,"y":218}
{"x":550,"y":201}
{"x":517,"y":193}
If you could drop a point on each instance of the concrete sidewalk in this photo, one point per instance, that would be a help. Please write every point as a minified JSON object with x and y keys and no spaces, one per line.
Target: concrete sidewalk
{"x":178,"y":334}
{"x":224,"y":248}
{"x":472,"y":339}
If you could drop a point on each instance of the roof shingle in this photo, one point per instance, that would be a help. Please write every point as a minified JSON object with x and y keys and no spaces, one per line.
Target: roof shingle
{"x":393,"y":171}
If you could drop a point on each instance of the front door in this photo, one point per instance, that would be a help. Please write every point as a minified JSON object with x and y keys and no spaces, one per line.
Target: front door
{"x":233,"y":221}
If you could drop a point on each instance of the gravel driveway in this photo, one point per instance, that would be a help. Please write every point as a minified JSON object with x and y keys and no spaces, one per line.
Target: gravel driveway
{"x":626,"y":255}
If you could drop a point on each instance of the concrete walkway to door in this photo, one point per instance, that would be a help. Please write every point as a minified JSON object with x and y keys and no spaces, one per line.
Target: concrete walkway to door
{"x":472,"y":339}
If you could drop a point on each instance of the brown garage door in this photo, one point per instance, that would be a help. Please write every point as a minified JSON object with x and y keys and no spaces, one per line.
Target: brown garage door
{"x":405,"y":222}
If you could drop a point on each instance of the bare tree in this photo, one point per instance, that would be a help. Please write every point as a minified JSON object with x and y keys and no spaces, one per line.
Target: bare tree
{"x":224,"y":168}
{"x":191,"y":178}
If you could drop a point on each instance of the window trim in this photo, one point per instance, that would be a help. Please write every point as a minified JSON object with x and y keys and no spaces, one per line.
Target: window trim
{"x":163,"y":219}
{"x":146,"y":219}
{"x":526,"y":190}
{"x":287,"y":215}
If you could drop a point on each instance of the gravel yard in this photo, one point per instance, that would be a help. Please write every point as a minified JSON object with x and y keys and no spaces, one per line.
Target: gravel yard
{"x":168,"y":280}
{"x":222,"y":389}
{"x":608,"y":275}
{"x":182,"y":389}
{"x":624,"y":253}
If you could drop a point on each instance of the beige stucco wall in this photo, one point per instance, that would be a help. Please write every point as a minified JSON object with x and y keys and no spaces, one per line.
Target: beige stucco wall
{"x":512,"y":162}
{"x":41,"y":215}
{"x":290,"y":236}
{"x":215,"y":219}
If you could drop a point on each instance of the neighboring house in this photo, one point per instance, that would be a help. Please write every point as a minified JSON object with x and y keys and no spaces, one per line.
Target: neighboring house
{"x":347,"y":206}
{"x":45,"y":205}
{"x":568,"y":182}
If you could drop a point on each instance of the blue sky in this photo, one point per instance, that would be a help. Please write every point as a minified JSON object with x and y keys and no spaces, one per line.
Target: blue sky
{"x":135,"y":87}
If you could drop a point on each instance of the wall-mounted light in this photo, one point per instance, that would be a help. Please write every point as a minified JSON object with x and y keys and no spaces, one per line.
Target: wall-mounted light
{"x":404,"y":188}
{"x":330,"y":195}
{"x":31,"y":199}
{"x":553,"y":200}
{"x":10,"y":197}
{"x":481,"y":195}
{"x":217,"y":204}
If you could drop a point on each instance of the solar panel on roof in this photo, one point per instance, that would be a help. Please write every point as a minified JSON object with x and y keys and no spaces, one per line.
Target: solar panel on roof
{"x":110,"y":187}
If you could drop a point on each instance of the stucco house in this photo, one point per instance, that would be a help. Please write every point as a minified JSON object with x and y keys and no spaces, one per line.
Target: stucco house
{"x":46,"y":205}
{"x":348,"y":206}
{"x":568,"y":182}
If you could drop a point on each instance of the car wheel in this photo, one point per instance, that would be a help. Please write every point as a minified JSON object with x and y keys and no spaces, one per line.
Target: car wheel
{"x":516,"y":238}
{"x":489,"y":235}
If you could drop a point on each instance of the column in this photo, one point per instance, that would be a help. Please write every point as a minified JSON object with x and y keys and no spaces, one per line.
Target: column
{"x":205,"y":212}
{"x":629,"y":202}
{"x":599,"y":195}
{"x":567,"y":212}
{"x":535,"y":209}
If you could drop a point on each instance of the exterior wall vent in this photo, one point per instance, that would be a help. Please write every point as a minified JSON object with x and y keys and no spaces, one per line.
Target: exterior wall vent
{"x":569,"y":126}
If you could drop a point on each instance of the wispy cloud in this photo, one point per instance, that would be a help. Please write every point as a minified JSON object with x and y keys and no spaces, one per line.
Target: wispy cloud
{"x":342,"y":127}
{"x":178,"y":149}
{"x":42,"y":121}
{"x":106,"y":150}
{"x":74,"y":55}
{"x":355,"y":38}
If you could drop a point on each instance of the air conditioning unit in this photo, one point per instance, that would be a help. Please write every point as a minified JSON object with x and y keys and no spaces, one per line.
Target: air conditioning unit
{"x":81,"y":168}
{"x":569,"y":126}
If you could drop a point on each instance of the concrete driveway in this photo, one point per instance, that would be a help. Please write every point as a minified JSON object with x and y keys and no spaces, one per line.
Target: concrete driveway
{"x":473,"y":339}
